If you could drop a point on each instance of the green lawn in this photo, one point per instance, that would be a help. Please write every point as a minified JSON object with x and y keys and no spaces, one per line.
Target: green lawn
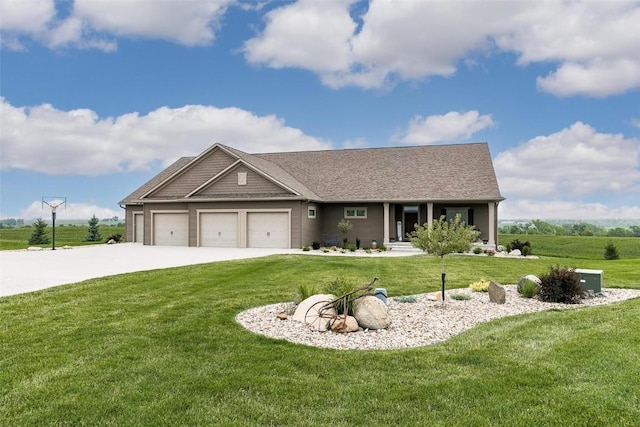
{"x":18,"y":238}
{"x":162,"y":348}
{"x":586,"y":247}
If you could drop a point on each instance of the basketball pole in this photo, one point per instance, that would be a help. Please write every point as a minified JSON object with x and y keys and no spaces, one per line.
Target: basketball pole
{"x":53,"y":204}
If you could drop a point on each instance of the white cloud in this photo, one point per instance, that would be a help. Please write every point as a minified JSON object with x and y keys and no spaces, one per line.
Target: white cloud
{"x":562,"y":209}
{"x":572,"y":163}
{"x":48,"y":140}
{"x":595,"y":44}
{"x":92,"y":24}
{"x":307,"y":34}
{"x":452,"y":126}
{"x":70,"y":211}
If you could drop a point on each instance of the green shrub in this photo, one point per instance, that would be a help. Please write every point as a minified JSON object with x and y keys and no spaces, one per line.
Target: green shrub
{"x":460,"y":297}
{"x":339,"y":287}
{"x":306,"y":248}
{"x":315,"y":245}
{"x":305,"y":291}
{"x":508,"y":247}
{"x":610,"y":251}
{"x":352,"y":248}
{"x":517,"y":244}
{"x":527,"y":288}
{"x":560,"y":285}
{"x":115,"y":237}
{"x":526,"y":250}
{"x":480,"y":286}
{"x":477,"y":250}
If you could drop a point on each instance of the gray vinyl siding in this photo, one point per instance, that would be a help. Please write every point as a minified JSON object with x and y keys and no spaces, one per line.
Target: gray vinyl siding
{"x":228,"y":185}
{"x":196,"y":175}
{"x":129,"y":222}
{"x":310,"y":226}
{"x":371,"y":228}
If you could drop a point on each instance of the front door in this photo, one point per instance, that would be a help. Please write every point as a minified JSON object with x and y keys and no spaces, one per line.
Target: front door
{"x":410,"y":219}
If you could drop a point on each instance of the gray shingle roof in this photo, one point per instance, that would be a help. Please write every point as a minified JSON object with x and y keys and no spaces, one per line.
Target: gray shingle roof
{"x":434,"y":172}
{"x":421,"y":173}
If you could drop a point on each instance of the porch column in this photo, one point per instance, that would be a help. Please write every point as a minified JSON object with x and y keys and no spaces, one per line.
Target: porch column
{"x":430,"y":214}
{"x":385,"y":219}
{"x":492,"y":222}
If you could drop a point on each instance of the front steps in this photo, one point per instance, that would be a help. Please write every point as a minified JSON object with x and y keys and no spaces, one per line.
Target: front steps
{"x":402,"y":247}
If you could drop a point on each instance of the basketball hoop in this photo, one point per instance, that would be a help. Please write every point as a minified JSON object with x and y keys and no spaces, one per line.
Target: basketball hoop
{"x":54,"y":203}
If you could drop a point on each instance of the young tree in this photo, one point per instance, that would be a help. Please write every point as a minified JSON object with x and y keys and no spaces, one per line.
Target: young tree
{"x":345,"y":226}
{"x":93,"y":234}
{"x":39,"y":235}
{"x":442,"y":238}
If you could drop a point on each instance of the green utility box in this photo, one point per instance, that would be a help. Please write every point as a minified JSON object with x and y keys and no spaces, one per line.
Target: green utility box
{"x":591,"y":280}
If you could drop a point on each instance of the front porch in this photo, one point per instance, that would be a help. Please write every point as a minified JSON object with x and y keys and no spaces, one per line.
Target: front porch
{"x":399,"y":219}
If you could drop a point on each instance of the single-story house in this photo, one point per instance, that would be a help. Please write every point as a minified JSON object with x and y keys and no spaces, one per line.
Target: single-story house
{"x":228,"y":198}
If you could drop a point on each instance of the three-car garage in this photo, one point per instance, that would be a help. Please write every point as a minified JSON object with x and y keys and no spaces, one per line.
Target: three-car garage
{"x":223,"y":228}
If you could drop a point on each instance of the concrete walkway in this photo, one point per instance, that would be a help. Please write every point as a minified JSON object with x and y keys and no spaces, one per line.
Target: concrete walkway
{"x":27,"y":271}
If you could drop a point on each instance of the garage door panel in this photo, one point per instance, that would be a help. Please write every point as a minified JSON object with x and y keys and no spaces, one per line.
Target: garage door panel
{"x":268,"y":229}
{"x":219,"y":229}
{"x":171,"y":229}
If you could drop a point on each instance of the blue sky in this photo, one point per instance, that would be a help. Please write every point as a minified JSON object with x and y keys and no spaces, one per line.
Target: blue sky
{"x":98,"y":96}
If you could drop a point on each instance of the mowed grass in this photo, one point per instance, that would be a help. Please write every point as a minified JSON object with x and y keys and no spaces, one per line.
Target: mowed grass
{"x":18,"y":238}
{"x":162,"y":348}
{"x":582,"y":247}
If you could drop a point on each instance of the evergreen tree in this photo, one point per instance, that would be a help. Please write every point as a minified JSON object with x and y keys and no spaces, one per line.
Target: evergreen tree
{"x":610,"y":251}
{"x":93,"y":234}
{"x":39,"y":235}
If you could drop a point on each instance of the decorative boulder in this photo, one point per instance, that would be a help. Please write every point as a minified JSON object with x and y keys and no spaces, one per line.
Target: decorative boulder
{"x":533,"y":278}
{"x":515,"y":252}
{"x":371,"y":313}
{"x":344,"y":324}
{"x":497,"y":293}
{"x":528,"y":278}
{"x":308,"y":311}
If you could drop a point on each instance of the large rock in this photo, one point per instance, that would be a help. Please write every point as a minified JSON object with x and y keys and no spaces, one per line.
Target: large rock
{"x":497,"y":293}
{"x":310,"y":312}
{"x":515,"y":252}
{"x":371,"y":313}
{"x":344,"y":324}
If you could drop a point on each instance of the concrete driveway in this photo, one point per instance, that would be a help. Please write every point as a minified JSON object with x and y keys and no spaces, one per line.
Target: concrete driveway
{"x":27,"y":271}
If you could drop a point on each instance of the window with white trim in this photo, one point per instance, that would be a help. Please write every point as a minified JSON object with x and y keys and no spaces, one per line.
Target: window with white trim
{"x":355,"y":213}
{"x":312,"y":212}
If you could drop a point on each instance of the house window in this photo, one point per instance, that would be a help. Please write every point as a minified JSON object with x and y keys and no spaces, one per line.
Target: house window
{"x":355,"y":213}
{"x":463,"y":212}
{"x":312,"y":212}
{"x":242,"y":178}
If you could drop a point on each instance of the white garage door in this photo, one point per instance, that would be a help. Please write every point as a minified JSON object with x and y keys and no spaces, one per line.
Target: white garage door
{"x":219,"y":229}
{"x":268,"y":229}
{"x":171,"y":229}
{"x":139,"y":228}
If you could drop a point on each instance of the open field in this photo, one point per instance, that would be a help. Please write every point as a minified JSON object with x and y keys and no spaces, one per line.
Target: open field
{"x":582,"y":247}
{"x":18,"y":238}
{"x":162,"y":348}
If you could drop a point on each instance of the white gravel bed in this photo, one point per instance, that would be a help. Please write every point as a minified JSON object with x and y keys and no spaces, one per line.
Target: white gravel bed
{"x":417,"y":324}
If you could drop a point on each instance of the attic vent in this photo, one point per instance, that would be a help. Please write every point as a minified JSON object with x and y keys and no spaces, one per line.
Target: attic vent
{"x":242,"y":178}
